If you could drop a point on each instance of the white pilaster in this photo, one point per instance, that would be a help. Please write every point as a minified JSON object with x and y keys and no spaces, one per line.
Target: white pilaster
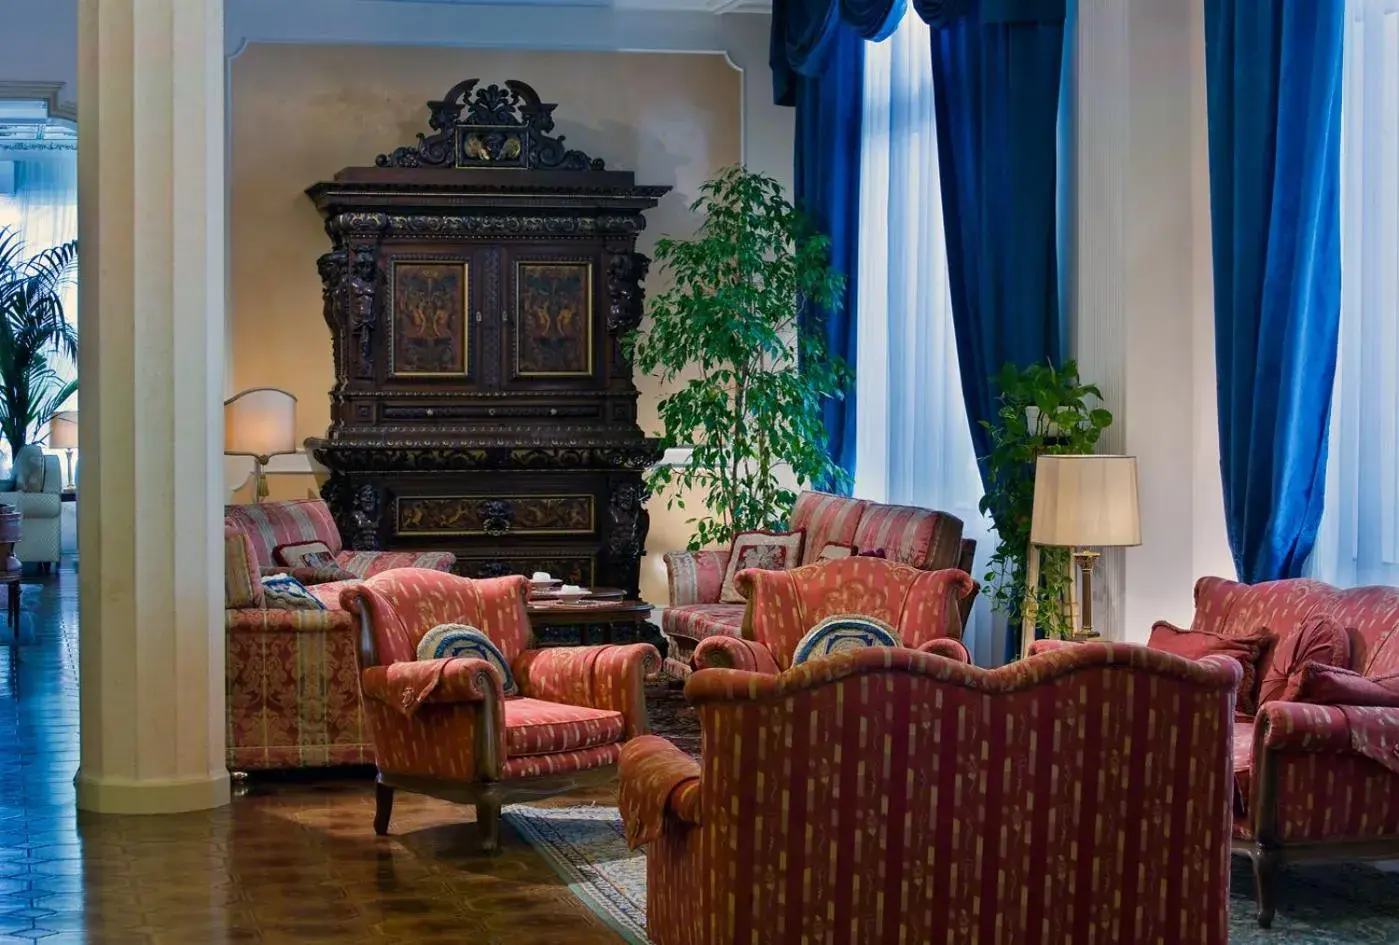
{"x":151,"y":225}
{"x":1140,"y":292}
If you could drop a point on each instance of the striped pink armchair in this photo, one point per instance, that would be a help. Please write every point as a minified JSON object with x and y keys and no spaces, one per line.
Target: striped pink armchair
{"x":447,"y":727}
{"x":922,"y":606}
{"x":887,"y":795}
{"x":922,"y":538}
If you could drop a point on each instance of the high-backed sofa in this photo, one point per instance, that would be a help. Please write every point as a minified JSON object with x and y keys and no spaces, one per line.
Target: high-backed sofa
{"x":292,"y":675}
{"x":923,"y":538}
{"x":1311,"y":781}
{"x":273,"y":524}
{"x":887,"y":795}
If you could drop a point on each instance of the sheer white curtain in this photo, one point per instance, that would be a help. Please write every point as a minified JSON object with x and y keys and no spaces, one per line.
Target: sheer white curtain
{"x":914,"y":444}
{"x":1359,"y":538}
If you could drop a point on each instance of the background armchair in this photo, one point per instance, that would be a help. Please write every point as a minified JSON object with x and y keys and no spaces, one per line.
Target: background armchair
{"x":923,"y":606}
{"x":40,"y":516}
{"x":446,"y":728}
{"x":890,"y":790}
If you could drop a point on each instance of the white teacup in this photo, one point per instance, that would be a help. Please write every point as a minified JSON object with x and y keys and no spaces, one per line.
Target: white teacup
{"x":541,"y":577}
{"x":570,"y":589}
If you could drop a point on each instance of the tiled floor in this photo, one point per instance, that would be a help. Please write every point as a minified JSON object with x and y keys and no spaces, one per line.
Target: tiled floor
{"x":285,"y":863}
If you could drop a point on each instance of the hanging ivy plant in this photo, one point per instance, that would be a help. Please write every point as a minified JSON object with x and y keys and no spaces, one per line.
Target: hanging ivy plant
{"x":1043,"y":409}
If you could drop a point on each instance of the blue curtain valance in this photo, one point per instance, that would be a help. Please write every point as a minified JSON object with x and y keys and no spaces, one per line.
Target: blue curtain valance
{"x":803,"y":30}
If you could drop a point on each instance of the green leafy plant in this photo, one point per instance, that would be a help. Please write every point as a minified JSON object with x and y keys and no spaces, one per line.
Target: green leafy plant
{"x":33,"y":327}
{"x":751,"y":413}
{"x":1043,"y":409}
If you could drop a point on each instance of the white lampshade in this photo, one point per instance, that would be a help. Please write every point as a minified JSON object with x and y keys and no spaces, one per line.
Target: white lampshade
{"x":63,"y":430}
{"x":260,"y":421}
{"x":1086,"y":502}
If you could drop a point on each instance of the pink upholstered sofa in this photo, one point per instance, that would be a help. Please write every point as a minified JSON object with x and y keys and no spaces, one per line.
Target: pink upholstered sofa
{"x":1311,"y":781}
{"x":923,"y":538}
{"x":272,"y":524}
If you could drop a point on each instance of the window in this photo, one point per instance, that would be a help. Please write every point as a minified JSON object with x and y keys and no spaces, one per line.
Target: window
{"x":1359,"y":537}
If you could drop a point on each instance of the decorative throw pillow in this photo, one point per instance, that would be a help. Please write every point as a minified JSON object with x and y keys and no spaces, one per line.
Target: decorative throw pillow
{"x":284,"y":592}
{"x":30,"y":469}
{"x":1197,"y":644}
{"x":241,"y":584}
{"x":304,"y":554}
{"x":458,"y":639}
{"x":871,"y":553}
{"x":770,"y":551}
{"x":1320,"y":684}
{"x":842,"y":633}
{"x":835,"y":552}
{"x":1319,"y":640}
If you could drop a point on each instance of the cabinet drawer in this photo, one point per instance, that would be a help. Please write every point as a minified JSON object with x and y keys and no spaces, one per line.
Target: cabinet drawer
{"x":571,"y":569}
{"x":495,"y":515}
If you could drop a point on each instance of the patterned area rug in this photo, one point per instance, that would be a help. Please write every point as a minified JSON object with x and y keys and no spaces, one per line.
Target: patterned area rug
{"x":1347,"y":904}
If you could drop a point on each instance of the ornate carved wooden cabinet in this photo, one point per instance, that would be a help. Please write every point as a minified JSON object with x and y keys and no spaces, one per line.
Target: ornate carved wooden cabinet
{"x":477,"y":289}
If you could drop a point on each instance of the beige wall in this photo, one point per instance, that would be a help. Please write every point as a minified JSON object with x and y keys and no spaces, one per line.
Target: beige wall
{"x":299,"y":113}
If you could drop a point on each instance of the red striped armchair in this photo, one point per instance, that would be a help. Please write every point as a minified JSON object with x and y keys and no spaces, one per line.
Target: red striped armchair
{"x":923,"y":606}
{"x":887,"y":795}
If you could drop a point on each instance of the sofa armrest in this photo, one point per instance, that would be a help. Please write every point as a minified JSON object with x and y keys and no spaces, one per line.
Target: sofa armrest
{"x":599,"y":677}
{"x":1372,"y":731}
{"x":1049,"y":646}
{"x":696,"y":577}
{"x":946,"y":646}
{"x":721,"y":652}
{"x":407,"y":685}
{"x":656,"y":779}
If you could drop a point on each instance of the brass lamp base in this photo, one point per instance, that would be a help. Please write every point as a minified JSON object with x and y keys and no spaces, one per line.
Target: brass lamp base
{"x":1086,"y":560}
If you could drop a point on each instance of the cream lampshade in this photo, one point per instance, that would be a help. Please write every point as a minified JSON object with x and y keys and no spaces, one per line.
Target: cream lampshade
{"x":1085,"y":502}
{"x":259,"y":422}
{"x":63,"y":435}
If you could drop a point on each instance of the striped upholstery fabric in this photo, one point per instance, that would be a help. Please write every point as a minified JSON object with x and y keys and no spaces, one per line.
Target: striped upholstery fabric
{"x":885,"y":795}
{"x":576,"y":703}
{"x":242,"y":584}
{"x":272,"y":524}
{"x":920,"y":537}
{"x":292,"y":687}
{"x":369,"y":563}
{"x":785,"y":605}
{"x":696,"y":577}
{"x":827,"y":520}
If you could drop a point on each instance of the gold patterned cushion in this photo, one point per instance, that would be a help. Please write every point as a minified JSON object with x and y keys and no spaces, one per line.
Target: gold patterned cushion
{"x":770,"y":551}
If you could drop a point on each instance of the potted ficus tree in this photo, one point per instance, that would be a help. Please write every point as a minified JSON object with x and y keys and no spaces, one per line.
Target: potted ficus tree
{"x":34,"y":328}
{"x":726,"y":337}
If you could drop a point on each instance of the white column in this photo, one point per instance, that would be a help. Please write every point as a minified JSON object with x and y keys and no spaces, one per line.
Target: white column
{"x":151,"y":230}
{"x":1140,"y":281}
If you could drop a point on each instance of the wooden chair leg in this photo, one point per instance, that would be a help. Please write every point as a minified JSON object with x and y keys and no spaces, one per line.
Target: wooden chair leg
{"x":1265,"y":868}
{"x":488,"y":824}
{"x":383,"y":807}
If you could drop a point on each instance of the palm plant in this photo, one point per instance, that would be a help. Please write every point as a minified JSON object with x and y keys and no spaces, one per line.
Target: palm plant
{"x":33,"y":329}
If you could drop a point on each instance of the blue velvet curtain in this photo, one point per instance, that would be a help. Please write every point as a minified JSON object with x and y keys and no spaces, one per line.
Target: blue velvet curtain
{"x":1273,"y":70}
{"x":996,"y":74}
{"x":828,"y":189}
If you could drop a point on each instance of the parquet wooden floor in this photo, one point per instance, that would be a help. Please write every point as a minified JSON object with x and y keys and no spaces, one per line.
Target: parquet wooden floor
{"x":286,"y":862}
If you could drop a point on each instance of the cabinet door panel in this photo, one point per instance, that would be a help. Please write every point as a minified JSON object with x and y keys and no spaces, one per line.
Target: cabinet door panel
{"x":432,"y":319}
{"x":551,"y":322}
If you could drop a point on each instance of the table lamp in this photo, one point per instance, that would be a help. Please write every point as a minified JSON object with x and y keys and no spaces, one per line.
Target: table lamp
{"x":259,"y":422}
{"x":1086,"y":502}
{"x":63,"y":435}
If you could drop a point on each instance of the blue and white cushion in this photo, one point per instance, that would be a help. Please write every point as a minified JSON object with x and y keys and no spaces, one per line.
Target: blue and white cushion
{"x":449,"y":640}
{"x":842,"y":633}
{"x":284,"y":592}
